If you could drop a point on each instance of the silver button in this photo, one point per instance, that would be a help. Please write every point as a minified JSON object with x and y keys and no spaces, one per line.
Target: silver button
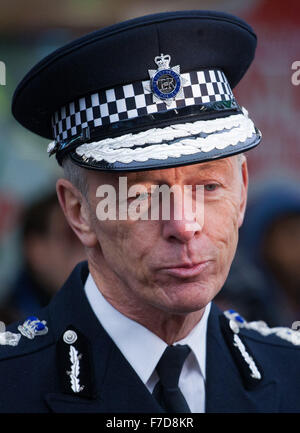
{"x":70,"y":336}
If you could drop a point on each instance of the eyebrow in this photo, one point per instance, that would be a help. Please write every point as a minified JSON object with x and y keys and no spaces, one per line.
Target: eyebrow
{"x":145,"y":176}
{"x":213,"y":164}
{"x":141,"y":176}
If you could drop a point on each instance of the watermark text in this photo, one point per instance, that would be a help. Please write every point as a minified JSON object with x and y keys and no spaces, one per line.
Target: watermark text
{"x":2,"y":74}
{"x":154,"y":202}
{"x":295,"y":78}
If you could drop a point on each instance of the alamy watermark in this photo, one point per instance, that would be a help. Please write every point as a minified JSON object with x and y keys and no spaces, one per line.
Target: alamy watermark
{"x":153,"y":202}
{"x":295,"y":78}
{"x":296,"y":325}
{"x":2,"y":73}
{"x":2,"y":326}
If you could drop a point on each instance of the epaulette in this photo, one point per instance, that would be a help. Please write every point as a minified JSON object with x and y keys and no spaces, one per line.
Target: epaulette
{"x":30,"y":328}
{"x":250,"y":369}
{"x":73,"y":353}
{"x":285,"y":333}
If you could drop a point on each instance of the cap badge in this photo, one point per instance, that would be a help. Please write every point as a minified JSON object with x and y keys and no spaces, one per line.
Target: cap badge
{"x":33,"y":327}
{"x":166,"y":82}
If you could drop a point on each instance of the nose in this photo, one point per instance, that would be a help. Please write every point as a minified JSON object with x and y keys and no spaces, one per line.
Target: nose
{"x":184,"y":224}
{"x":177,"y":230}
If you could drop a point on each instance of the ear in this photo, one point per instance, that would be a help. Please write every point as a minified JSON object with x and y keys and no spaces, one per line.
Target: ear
{"x":244,"y":192}
{"x":76,"y":210}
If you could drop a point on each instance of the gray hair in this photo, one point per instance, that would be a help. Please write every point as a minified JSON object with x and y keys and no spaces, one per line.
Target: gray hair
{"x":241,"y":158}
{"x":76,"y":175}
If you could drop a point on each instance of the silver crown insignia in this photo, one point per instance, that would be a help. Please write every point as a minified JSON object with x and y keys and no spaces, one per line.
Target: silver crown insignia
{"x":163,"y":61}
{"x":33,"y":327}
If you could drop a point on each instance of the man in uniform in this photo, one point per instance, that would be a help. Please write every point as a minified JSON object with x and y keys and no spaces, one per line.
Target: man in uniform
{"x":142,"y":104}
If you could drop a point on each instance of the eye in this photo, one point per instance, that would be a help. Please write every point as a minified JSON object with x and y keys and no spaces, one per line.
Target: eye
{"x":143,"y":196}
{"x":210,"y":187}
{"x":140,"y":196}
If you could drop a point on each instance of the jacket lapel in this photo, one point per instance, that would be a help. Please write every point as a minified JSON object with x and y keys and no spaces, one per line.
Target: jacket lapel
{"x":225,"y":390}
{"x":121,"y":381}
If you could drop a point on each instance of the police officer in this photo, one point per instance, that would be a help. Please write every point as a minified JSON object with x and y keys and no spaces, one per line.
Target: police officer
{"x":131,"y":108}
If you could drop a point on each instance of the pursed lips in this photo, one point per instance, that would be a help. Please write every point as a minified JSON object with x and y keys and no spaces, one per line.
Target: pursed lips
{"x":185,"y":270}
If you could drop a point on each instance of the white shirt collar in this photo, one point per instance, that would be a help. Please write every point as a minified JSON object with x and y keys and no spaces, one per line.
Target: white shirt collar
{"x":135,"y":341}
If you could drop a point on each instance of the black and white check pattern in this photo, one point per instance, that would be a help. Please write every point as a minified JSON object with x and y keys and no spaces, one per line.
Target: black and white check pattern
{"x":135,"y":100}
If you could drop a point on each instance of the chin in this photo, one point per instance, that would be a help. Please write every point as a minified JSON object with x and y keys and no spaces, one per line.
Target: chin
{"x":187,"y":297}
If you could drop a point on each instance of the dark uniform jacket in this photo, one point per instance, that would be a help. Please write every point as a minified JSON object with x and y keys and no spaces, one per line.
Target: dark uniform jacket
{"x":40,"y":374}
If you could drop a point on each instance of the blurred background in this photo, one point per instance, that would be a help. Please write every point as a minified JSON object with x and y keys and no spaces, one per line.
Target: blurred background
{"x":38,"y":250}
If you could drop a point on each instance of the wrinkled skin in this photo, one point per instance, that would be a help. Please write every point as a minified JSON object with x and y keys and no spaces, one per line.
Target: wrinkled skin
{"x":128,"y":259}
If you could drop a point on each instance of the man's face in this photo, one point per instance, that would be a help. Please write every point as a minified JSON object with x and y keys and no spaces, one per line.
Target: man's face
{"x":159,"y":262}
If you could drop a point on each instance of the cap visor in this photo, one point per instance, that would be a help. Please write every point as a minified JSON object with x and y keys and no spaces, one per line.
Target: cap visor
{"x":175,"y":145}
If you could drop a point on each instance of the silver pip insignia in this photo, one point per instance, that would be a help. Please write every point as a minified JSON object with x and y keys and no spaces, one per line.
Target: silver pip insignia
{"x":9,"y":338}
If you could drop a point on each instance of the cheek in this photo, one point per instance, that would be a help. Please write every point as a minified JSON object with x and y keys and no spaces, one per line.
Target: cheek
{"x":221,"y":224}
{"x":126,"y":245}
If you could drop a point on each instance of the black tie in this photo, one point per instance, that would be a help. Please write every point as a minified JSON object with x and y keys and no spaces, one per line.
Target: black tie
{"x":166,"y":391}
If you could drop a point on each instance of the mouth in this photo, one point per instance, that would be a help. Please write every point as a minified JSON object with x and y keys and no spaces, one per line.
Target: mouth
{"x":186,"y":270}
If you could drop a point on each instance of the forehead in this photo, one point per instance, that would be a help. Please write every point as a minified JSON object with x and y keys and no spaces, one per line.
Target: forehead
{"x":224,"y":167}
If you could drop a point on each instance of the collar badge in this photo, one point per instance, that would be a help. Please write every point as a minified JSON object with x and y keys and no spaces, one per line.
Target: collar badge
{"x":70,"y":337}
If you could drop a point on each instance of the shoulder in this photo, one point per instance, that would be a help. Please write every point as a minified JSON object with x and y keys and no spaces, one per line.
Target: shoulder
{"x":262,"y":354}
{"x":27,"y":365}
{"x":259,"y":332}
{"x":276,"y":350}
{"x":44,"y":328}
{"x":26,"y":336}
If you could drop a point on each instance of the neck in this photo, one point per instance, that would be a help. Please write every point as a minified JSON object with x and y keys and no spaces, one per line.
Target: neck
{"x":169,"y":326}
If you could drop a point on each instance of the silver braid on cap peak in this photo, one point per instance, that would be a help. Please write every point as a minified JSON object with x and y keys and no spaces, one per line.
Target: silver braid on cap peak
{"x":172,"y":141}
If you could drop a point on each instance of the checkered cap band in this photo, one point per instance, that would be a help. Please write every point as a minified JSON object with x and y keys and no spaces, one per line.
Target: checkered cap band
{"x":135,"y":100}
